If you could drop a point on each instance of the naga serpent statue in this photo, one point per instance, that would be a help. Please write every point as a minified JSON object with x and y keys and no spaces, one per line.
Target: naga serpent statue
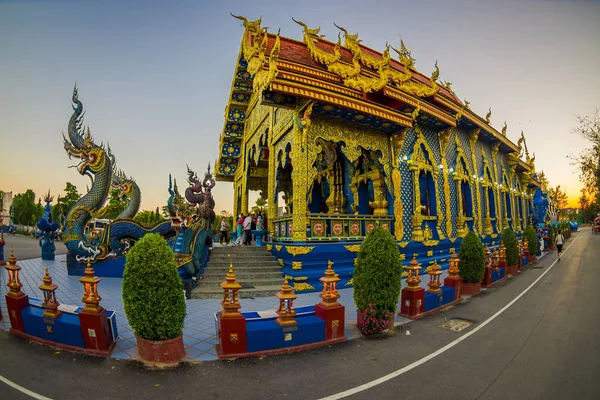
{"x":98,"y":163}
{"x":192,"y":221}
{"x":48,"y":228}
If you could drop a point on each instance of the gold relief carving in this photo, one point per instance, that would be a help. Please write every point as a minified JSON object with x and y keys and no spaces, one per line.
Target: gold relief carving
{"x":300,"y":278}
{"x":296,"y":264}
{"x":350,"y":282}
{"x":269,"y":247}
{"x":431,"y":243}
{"x":299,"y":250}
{"x":403,"y":244}
{"x":429,"y":253}
{"x":264,"y":77}
{"x":254,"y":29}
{"x":473,"y":136}
{"x":353,"y":136}
{"x":299,"y":287}
{"x":353,"y":248}
{"x":488,"y":116}
{"x":280,"y":261}
{"x":233,"y":337}
{"x":310,"y":37}
{"x":504,"y":128}
{"x":278,"y":247}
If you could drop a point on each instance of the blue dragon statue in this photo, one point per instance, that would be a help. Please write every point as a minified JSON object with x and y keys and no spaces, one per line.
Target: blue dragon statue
{"x":192,"y":221}
{"x":98,"y":163}
{"x":48,"y":228}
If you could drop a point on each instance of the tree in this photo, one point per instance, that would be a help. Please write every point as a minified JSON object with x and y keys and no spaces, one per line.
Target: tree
{"x":377,"y":275}
{"x":147,"y":218}
{"x":472,"y":259}
{"x":588,"y":161}
{"x":559,"y":198}
{"x":26,"y":209}
{"x":589,"y":210}
{"x":261,"y":205}
{"x":116,"y":204}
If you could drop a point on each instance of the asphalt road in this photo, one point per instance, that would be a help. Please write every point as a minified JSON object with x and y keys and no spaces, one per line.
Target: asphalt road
{"x":545,"y":345}
{"x":26,"y":247}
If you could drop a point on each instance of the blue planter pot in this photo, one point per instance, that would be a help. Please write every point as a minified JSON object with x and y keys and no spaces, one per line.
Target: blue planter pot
{"x":259,"y":236}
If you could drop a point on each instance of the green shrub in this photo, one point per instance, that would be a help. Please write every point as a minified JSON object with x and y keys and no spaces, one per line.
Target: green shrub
{"x":509,"y":239}
{"x":472,"y":259}
{"x":152,"y":290}
{"x":378,"y":273}
{"x":532,"y":240}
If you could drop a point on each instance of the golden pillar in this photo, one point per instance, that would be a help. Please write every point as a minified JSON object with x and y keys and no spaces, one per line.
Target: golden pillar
{"x":300,"y":183}
{"x":272,"y":183}
{"x":417,"y":218}
{"x":443,"y":137}
{"x":396,"y":143}
{"x":495,"y":148}
{"x":477,"y":223}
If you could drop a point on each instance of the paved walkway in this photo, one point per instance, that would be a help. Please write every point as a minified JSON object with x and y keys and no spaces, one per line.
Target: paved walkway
{"x":199,"y":330}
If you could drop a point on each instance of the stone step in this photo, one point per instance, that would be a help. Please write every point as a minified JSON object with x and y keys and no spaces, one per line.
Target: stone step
{"x":245,"y":269}
{"x":242,"y":260}
{"x":217,"y":293}
{"x":216,"y":282}
{"x":244,"y":276}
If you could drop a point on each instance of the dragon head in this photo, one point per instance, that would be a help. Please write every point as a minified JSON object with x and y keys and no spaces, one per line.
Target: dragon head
{"x":122,"y":183}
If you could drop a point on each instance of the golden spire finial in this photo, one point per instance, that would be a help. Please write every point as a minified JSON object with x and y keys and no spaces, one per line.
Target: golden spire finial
{"x":504,"y":128}
{"x":488,"y":116}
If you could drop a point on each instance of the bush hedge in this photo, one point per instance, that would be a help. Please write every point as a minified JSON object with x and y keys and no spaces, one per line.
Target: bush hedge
{"x":532,"y":239}
{"x":378,"y":274}
{"x":509,"y":239}
{"x":152,"y":290}
{"x":472,"y":259}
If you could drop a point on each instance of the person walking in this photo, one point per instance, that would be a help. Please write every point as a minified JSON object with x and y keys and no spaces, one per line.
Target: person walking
{"x":224,"y":231}
{"x":248,"y":229}
{"x":559,"y":243}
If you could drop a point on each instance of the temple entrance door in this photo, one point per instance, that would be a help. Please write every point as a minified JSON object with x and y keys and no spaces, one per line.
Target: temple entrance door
{"x":467,"y":203}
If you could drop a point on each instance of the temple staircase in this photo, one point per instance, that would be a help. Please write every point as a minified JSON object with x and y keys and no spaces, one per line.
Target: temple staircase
{"x":255,"y":269}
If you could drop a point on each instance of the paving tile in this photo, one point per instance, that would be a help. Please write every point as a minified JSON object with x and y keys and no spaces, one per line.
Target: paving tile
{"x":204,"y":346}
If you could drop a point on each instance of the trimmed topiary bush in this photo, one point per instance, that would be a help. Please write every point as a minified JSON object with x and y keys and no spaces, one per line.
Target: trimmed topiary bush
{"x":532,"y":240}
{"x":152,"y":290}
{"x":377,"y":277}
{"x":509,"y":239}
{"x":472,"y":259}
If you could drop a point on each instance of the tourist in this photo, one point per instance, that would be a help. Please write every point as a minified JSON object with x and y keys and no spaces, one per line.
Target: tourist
{"x":240,"y":230}
{"x":248,"y":229}
{"x":559,"y":243}
{"x":224,"y":231}
{"x":259,"y":222}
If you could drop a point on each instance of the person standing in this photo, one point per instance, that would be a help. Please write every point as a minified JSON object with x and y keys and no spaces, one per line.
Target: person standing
{"x":224,"y":231}
{"x":259,"y":222}
{"x":240,"y":230}
{"x":559,"y":243}
{"x":248,"y":229}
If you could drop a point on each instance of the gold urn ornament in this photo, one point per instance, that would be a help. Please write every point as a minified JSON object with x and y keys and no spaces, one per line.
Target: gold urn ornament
{"x":330,"y":293}
{"x":413,"y":269}
{"x":230,"y":302}
{"x":14,"y":283}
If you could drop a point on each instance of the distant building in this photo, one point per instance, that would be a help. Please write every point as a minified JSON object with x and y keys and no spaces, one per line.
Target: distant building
{"x":7,"y":201}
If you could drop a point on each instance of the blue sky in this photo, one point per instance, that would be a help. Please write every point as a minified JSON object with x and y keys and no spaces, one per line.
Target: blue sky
{"x":154,"y":77}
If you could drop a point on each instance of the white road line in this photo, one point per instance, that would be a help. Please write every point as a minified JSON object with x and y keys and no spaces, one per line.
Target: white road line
{"x":23,"y":390}
{"x":436,"y":353}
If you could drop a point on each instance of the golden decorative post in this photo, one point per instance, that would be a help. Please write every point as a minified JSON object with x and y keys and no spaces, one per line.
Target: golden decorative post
{"x":230,"y":301}
{"x":330,"y":293}
{"x":286,"y":305}
{"x":496,"y":260}
{"x":413,"y":269}
{"x":50,"y":303}
{"x":13,"y":276}
{"x":434,"y":278}
{"x":453,"y":271}
{"x":488,"y":257}
{"x":90,"y":298}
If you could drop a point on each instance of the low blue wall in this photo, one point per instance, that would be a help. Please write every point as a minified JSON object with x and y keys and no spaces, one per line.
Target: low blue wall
{"x":439,"y":299}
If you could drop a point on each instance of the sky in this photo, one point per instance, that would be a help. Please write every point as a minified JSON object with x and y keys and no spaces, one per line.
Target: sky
{"x":154,"y":77}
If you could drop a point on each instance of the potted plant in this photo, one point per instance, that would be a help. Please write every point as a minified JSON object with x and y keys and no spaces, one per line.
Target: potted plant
{"x":154,"y":302}
{"x":472,"y":264}
{"x":532,"y":242}
{"x":377,"y":282}
{"x":509,"y":239}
